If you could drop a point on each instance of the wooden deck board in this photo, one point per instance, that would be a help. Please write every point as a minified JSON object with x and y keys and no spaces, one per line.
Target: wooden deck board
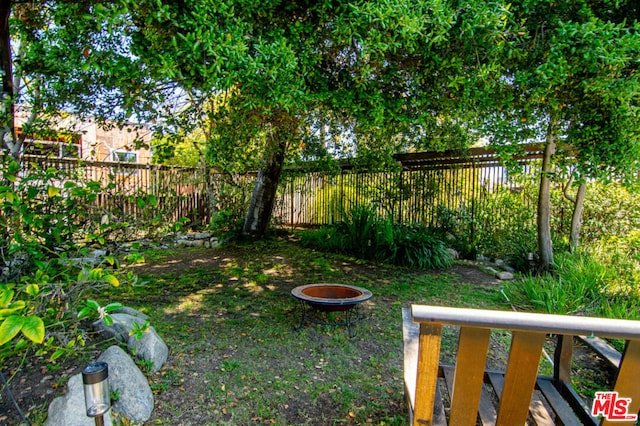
{"x":562,"y":409}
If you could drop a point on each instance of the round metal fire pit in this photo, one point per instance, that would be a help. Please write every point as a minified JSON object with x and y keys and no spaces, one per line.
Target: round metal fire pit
{"x":340,"y":298}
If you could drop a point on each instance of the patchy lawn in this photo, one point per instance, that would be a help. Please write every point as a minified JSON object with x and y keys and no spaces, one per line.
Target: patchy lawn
{"x":228,"y":318}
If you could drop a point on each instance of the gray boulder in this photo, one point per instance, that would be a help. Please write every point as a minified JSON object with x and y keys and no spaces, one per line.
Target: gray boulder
{"x":147,"y":346}
{"x":122,"y":325}
{"x":150,"y":348}
{"x":133,"y":312}
{"x":135,"y":398}
{"x":504,"y":275}
{"x":453,"y":253}
{"x":70,"y":410}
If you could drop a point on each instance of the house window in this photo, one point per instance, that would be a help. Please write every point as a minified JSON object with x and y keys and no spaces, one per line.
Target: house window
{"x":57,"y":145}
{"x":125,"y":158}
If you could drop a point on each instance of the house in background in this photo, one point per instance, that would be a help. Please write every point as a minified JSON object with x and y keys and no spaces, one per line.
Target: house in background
{"x":88,"y":141}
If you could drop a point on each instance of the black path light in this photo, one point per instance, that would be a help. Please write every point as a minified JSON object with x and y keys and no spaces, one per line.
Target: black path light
{"x":96,"y":390}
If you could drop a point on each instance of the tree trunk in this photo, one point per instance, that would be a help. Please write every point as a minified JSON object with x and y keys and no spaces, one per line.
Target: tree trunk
{"x":263,"y":197}
{"x":545,"y":246}
{"x":7,"y":126}
{"x":576,"y":217}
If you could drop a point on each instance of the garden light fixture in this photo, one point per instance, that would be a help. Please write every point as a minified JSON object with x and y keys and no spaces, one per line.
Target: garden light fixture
{"x":96,"y":390}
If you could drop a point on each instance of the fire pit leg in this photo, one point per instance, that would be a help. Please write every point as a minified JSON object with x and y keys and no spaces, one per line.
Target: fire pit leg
{"x":353,"y":316}
{"x":303,"y":316}
{"x":348,"y":318}
{"x":349,"y":322}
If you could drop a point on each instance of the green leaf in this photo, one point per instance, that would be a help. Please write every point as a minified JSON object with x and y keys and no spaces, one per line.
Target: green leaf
{"x":10,"y":328}
{"x":111,"y":279}
{"x":96,"y":274}
{"x":33,"y":329}
{"x":57,"y":354}
{"x":14,"y":307}
{"x":52,"y":191}
{"x":108,"y":321}
{"x":93,"y":304}
{"x":33,"y":290}
{"x":84,"y":312}
{"x":8,"y":196}
{"x":112,"y":307}
{"x":5,"y":297}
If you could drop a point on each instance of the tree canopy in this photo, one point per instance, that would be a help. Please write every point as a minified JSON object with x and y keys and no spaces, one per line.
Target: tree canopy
{"x":262,"y":84}
{"x":572,"y":82}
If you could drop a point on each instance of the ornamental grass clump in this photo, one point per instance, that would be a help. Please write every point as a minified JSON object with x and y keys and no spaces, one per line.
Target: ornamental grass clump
{"x":366,"y":235}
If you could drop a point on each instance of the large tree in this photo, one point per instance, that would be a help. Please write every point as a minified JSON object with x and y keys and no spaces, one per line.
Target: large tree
{"x":394,"y":74}
{"x":572,"y":82}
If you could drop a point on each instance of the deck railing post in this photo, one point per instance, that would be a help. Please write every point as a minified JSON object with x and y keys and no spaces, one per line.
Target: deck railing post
{"x":562,"y":359}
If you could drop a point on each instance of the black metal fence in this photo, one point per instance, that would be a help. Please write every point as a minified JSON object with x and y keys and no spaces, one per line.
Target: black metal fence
{"x":423,"y":189}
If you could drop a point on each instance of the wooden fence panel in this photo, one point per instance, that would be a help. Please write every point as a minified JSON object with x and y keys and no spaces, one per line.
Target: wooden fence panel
{"x":425,"y":188}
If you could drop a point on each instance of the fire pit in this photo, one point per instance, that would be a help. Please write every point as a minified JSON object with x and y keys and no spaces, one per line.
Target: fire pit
{"x":331,"y":298}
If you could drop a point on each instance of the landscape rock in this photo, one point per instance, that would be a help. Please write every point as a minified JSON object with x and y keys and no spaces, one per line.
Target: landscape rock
{"x":200,"y":235}
{"x":509,"y":269}
{"x":453,"y":253}
{"x":70,"y":409}
{"x":212,"y":243}
{"x":196,"y":239}
{"x":135,"y":398}
{"x":148,"y":347}
{"x":504,"y":275}
{"x":190,"y":243}
{"x":488,"y":270}
{"x":122,"y":325}
{"x":133,"y":312}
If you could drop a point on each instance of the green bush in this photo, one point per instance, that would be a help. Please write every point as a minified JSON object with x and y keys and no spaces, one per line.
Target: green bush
{"x":581,"y":284}
{"x":359,"y":230}
{"x":363,"y":234}
{"x":418,"y":247}
{"x":610,"y":209}
{"x":502,"y":225}
{"x":226,"y":223}
{"x":326,"y":238}
{"x":48,"y":223}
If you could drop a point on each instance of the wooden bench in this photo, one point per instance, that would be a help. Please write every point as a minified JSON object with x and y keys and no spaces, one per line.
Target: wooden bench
{"x":468,"y":394}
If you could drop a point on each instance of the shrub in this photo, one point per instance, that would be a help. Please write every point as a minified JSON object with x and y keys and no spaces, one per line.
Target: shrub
{"x":359,"y":230}
{"x":418,"y":247}
{"x":48,"y":221}
{"x":581,"y":284}
{"x":226,"y":223}
{"x":367,"y":236}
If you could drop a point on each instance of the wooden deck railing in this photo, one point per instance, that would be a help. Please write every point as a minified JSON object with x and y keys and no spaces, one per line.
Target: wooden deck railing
{"x":470,"y":385}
